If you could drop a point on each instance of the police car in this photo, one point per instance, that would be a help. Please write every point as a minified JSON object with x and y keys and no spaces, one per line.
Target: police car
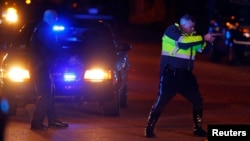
{"x":234,"y":39}
{"x":94,"y":67}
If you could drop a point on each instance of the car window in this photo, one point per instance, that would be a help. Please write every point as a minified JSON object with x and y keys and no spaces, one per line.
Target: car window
{"x":76,"y":40}
{"x":22,"y":39}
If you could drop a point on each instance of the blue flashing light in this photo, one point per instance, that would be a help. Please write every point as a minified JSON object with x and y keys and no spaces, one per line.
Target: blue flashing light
{"x":92,"y":16}
{"x":69,"y":77}
{"x":58,"y":28}
{"x":228,"y":35}
{"x":4,"y":106}
{"x":93,"y":10}
{"x":72,"y":39}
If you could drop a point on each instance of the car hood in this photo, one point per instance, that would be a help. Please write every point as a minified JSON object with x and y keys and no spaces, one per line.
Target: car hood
{"x":16,"y":58}
{"x":88,"y":60}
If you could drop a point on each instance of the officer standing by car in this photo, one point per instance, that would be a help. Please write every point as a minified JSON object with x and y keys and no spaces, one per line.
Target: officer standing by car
{"x":180,"y":43}
{"x":43,"y":45}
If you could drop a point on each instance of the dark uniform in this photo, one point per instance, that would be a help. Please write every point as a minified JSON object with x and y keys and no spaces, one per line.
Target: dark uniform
{"x":177,"y":62}
{"x":44,"y":54}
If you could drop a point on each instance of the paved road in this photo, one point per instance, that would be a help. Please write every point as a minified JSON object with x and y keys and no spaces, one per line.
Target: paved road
{"x":225,"y":90}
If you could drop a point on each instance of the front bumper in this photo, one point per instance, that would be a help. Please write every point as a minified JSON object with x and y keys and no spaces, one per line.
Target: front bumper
{"x":86,"y":91}
{"x":21,"y":93}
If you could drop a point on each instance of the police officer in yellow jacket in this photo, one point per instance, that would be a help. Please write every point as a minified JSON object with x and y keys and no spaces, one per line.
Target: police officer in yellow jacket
{"x":180,"y":43}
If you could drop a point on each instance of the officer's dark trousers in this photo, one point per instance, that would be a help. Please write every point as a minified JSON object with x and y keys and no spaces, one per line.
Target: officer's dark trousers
{"x":178,"y":81}
{"x":45,"y":102}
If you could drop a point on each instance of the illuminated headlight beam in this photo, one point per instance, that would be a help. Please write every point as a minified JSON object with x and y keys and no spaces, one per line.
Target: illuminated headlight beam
{"x":18,"y":74}
{"x":97,"y":75}
{"x":11,"y":15}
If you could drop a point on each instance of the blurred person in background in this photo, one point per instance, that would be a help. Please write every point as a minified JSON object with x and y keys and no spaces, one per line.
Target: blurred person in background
{"x":180,"y":43}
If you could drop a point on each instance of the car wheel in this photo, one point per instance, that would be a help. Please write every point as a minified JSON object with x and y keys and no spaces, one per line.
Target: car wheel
{"x":112,"y":108}
{"x":124,"y":97}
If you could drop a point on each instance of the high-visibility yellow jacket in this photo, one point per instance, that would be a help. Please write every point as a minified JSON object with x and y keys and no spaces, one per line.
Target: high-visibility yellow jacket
{"x":179,"y":48}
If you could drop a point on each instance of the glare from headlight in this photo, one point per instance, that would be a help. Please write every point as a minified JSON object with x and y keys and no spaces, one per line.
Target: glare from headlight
{"x":18,"y":74}
{"x":97,"y":75}
{"x":231,"y":26}
{"x":11,"y":15}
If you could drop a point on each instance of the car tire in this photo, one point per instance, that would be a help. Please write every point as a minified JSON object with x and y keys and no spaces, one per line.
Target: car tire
{"x":112,"y":108}
{"x":124,"y":97}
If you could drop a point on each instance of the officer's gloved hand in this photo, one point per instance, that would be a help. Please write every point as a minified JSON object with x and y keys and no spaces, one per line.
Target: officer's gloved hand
{"x":209,"y":37}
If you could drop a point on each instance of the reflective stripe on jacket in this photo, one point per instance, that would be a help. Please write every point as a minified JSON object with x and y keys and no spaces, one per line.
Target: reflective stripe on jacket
{"x":181,"y":47}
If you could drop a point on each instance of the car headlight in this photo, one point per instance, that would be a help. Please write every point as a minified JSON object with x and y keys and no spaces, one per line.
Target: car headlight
{"x":231,"y":25}
{"x":97,"y":75}
{"x":245,"y":31}
{"x":18,"y":74}
{"x":11,"y":15}
{"x":247,"y":35}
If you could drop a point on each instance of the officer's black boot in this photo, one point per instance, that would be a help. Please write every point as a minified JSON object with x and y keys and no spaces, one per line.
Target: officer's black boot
{"x":39,"y":114}
{"x":152,"y":119}
{"x":197,"y":117}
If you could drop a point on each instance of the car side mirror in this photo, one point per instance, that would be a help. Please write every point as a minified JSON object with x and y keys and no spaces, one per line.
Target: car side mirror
{"x":124,"y":47}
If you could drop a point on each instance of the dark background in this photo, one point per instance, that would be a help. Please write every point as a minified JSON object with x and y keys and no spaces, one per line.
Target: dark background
{"x":152,"y":14}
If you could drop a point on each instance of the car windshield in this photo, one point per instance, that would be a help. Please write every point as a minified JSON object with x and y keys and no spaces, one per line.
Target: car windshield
{"x":75,"y":37}
{"x":85,"y":39}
